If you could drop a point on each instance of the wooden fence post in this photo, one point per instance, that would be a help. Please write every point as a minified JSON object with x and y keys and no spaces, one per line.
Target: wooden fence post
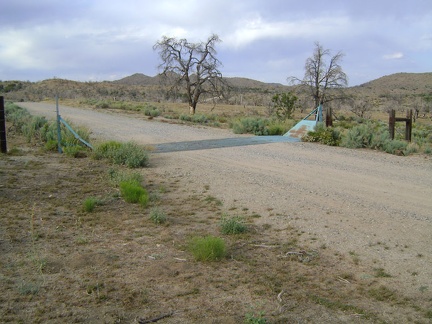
{"x":329,"y":117}
{"x":392,"y":122}
{"x":3,"y":146}
{"x":408,"y":124}
{"x":408,"y":127}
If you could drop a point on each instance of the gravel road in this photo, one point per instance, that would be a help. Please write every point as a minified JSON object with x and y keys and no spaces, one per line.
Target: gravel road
{"x":376,"y":205}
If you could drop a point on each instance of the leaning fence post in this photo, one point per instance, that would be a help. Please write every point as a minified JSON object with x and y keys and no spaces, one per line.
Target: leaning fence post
{"x":58,"y":126}
{"x":2,"y":126}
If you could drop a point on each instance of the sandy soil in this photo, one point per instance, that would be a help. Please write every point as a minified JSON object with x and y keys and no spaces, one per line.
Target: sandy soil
{"x":373,"y":206}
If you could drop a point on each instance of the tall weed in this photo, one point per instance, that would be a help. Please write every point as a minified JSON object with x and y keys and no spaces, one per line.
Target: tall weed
{"x":32,"y":129}
{"x":128,"y":154}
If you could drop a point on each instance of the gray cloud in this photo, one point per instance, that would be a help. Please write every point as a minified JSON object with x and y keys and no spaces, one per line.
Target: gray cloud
{"x":269,"y":41}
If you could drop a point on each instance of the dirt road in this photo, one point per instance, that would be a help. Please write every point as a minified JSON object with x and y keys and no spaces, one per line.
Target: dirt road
{"x":373,"y":205}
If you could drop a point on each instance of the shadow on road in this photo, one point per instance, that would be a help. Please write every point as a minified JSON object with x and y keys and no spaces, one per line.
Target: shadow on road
{"x":220,"y":143}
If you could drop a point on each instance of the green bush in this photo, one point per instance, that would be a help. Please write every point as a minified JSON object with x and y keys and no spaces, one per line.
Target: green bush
{"x":376,"y":136}
{"x":422,"y":136}
{"x":359,"y":136}
{"x":90,"y":204}
{"x":395,"y":146}
{"x":133,"y":192}
{"x":250,"y":125}
{"x":197,"y":118}
{"x":51,"y":145}
{"x":185,"y":117}
{"x":157,"y":216}
{"x":411,"y":148}
{"x":75,"y":151}
{"x":155,"y":113}
{"x":380,"y":140}
{"x":102,"y":104}
{"x":252,"y":318}
{"x":32,"y":129}
{"x":200,"y":119}
{"x":171,"y":115}
{"x":35,"y":127}
{"x":422,"y":131}
{"x":117,"y":176}
{"x":89,"y":101}
{"x":232,"y":225}
{"x":131,"y":155}
{"x":152,"y":111}
{"x":121,"y":105}
{"x":128,"y":154}
{"x":49,"y":133}
{"x":324,"y":135}
{"x":279,"y":127}
{"x":208,"y":248}
{"x":143,"y":199}
{"x":106,"y":150}
{"x":16,"y":115}
{"x":284,"y":104}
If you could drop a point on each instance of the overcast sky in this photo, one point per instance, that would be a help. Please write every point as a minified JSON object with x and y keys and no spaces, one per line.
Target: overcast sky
{"x":266,"y":40}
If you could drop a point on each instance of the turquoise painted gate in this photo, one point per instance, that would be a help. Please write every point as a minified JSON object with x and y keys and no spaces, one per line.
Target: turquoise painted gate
{"x":304,"y":126}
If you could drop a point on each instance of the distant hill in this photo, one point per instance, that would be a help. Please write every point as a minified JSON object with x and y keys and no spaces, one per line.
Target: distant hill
{"x":250,"y":83}
{"x":400,"y":83}
{"x":140,"y":79}
{"x":140,"y":87}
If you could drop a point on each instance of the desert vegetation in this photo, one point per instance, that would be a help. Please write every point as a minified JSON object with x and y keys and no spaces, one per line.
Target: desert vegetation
{"x":375,"y":135}
{"x":91,"y":229}
{"x":360,"y":113}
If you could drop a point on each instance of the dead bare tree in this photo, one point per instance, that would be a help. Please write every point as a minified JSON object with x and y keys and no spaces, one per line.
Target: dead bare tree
{"x":192,"y":66}
{"x":321,"y":76}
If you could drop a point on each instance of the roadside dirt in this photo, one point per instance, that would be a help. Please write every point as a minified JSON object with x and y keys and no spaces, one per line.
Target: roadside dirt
{"x":337,"y":235}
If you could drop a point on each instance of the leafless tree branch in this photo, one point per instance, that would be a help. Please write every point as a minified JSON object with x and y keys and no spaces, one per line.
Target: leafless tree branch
{"x":193,"y":66}
{"x":320,"y":75}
